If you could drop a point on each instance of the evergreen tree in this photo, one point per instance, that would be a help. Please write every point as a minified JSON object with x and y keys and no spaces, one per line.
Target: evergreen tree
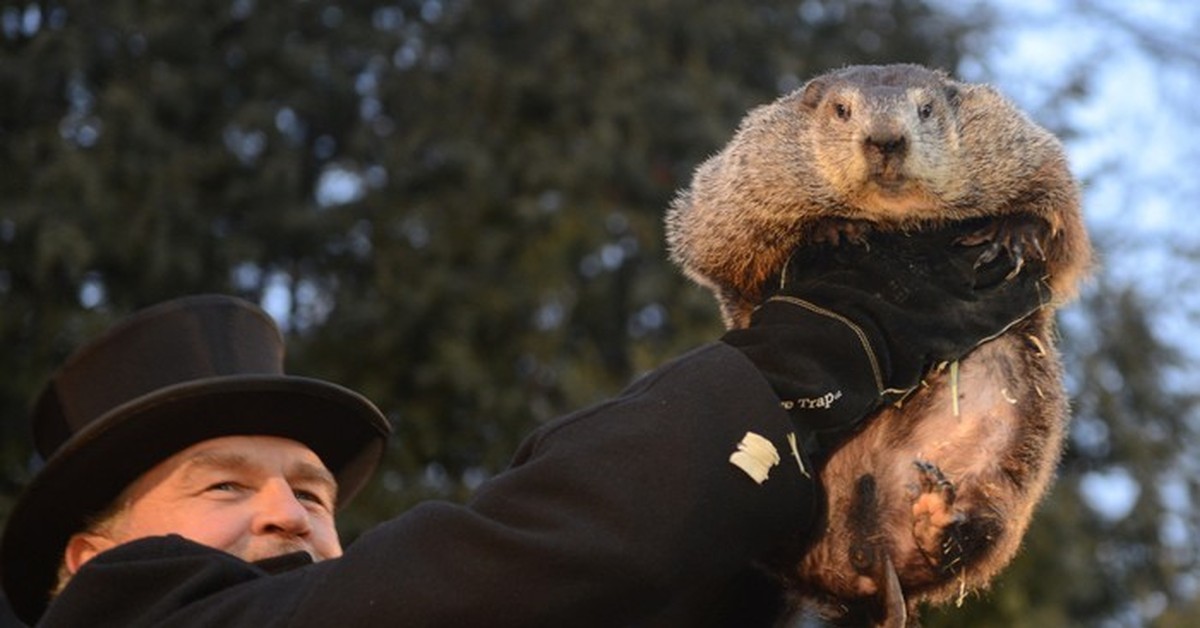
{"x":454,"y":207}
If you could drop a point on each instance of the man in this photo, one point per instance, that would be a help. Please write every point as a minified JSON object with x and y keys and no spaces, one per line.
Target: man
{"x":189,"y":481}
{"x":148,"y":410}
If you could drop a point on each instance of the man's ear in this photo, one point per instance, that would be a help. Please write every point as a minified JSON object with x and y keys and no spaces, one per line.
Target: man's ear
{"x":82,"y":547}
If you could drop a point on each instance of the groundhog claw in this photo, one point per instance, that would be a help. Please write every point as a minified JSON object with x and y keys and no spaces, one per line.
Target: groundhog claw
{"x":990,"y":253}
{"x":895,"y":609}
{"x":1018,"y":264}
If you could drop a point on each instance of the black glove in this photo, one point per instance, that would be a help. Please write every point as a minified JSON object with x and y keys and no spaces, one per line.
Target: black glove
{"x":856,"y":326}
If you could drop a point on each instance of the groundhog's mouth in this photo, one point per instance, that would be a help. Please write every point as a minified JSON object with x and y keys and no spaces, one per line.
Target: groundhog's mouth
{"x":895,"y":195}
{"x":892,"y":184}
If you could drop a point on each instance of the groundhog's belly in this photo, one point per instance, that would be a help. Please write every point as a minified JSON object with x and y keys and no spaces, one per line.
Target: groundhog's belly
{"x":944,"y":489}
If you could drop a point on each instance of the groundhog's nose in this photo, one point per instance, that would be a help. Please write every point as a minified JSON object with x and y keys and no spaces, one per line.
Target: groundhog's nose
{"x":887,"y":144}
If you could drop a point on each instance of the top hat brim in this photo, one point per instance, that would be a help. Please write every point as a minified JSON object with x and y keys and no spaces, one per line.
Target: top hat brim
{"x":345,"y":430}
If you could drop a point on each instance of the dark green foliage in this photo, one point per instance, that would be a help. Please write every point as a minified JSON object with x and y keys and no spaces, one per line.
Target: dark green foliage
{"x":496,"y":259}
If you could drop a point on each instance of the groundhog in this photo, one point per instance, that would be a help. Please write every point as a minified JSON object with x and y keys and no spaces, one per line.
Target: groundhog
{"x":932,"y":498}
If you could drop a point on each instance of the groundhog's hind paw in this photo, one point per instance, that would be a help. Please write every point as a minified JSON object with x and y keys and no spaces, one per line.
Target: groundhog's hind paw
{"x":935,"y":517}
{"x":951,"y":535}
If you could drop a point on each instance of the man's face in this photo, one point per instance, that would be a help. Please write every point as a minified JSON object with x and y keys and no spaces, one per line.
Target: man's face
{"x":252,"y":496}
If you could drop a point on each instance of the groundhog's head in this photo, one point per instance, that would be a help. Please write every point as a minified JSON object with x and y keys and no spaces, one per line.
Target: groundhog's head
{"x":897,"y":147}
{"x":885,"y":138}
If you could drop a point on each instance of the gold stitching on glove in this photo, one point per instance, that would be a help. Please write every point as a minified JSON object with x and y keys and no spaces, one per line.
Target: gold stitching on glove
{"x":862,"y":336}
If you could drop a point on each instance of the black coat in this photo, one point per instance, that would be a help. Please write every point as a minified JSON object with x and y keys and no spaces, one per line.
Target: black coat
{"x":628,"y":513}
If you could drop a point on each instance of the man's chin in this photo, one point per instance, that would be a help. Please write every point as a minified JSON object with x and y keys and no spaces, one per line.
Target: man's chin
{"x":276,"y":550}
{"x":285,"y":562}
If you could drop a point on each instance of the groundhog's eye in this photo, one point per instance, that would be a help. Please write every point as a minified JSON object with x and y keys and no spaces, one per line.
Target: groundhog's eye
{"x":925,"y":111}
{"x":842,"y":111}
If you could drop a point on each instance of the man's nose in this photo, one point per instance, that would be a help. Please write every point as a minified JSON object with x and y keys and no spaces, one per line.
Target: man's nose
{"x":280,"y":512}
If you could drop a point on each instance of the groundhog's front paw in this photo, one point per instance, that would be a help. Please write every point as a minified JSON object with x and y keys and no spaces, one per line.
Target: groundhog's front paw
{"x":935,"y":518}
{"x":839,"y":231}
{"x":1020,"y":237}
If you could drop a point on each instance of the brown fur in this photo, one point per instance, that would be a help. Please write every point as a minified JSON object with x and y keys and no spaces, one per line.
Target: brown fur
{"x":942,"y":498}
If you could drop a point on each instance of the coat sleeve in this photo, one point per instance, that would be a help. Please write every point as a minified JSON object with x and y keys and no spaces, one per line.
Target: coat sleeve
{"x":627,"y":513}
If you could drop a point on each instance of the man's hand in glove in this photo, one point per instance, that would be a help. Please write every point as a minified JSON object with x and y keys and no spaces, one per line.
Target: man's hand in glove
{"x":854,"y":327}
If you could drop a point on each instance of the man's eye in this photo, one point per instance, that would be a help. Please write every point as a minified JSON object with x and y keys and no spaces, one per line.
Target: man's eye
{"x":224,"y":486}
{"x":309,"y":496}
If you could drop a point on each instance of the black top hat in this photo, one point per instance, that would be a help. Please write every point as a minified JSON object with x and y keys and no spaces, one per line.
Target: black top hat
{"x":154,"y":384}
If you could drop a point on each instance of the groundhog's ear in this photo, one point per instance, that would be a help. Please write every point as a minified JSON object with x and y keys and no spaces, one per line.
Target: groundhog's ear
{"x":814,"y":91}
{"x":953,"y":94}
